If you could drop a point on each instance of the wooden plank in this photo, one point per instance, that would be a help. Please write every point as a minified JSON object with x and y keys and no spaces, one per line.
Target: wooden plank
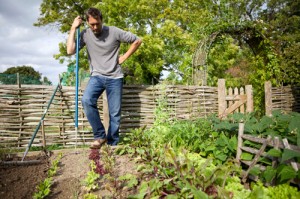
{"x":261,"y":140}
{"x":255,"y":159}
{"x":240,"y":142}
{"x":250,"y":150}
{"x":250,"y":102}
{"x":242,"y":107}
{"x":235,"y":97}
{"x":236,"y":93}
{"x":275,"y":160}
{"x":236,"y":105}
{"x":287,"y":146}
{"x":221,"y":98}
{"x":248,"y":163}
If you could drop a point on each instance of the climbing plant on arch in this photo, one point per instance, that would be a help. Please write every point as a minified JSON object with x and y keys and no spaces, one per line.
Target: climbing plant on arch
{"x":245,"y":38}
{"x":242,"y":55}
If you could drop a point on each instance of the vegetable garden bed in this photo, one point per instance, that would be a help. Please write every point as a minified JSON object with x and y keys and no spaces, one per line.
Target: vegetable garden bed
{"x":174,"y":159}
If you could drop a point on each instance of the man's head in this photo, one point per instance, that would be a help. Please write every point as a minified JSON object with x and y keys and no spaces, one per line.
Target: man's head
{"x":94,"y":19}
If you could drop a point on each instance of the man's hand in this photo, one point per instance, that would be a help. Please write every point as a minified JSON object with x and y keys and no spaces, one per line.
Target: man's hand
{"x":122,"y":59}
{"x":77,"y":22}
{"x":71,"y":38}
{"x":133,"y":47}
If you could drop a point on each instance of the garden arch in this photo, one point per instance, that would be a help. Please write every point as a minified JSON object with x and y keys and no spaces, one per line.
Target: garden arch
{"x":245,"y":35}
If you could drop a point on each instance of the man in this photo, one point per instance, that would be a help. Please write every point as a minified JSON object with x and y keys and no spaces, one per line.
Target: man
{"x":103,"y":44}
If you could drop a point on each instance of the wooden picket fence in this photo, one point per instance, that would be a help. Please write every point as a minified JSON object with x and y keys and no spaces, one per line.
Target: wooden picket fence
{"x":21,"y":108}
{"x":235,"y":99}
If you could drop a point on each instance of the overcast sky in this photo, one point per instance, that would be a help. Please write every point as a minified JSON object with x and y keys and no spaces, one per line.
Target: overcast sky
{"x":21,"y":43}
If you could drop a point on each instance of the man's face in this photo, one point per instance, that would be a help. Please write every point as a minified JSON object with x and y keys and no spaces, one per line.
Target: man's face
{"x":95,"y":24}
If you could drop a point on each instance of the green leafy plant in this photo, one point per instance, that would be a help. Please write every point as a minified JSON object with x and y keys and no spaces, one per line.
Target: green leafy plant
{"x":90,"y":196}
{"x":44,"y":188}
{"x":54,"y":167}
{"x":119,"y":186}
{"x":90,"y":182}
{"x":108,"y":159}
{"x":225,"y":147}
{"x":282,"y":191}
{"x":180,"y":173}
{"x":236,"y":188}
{"x":129,"y":179}
{"x":194,"y":159}
{"x":279,"y":124}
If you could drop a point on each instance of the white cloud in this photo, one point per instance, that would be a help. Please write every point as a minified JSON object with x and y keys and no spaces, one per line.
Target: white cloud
{"x":21,"y":43}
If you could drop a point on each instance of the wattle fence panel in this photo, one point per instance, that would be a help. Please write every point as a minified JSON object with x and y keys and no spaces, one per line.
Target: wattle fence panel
{"x":284,"y":98}
{"x":21,"y":109}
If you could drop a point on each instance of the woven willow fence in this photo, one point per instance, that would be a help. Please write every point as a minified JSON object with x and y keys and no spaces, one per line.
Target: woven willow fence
{"x":21,"y":109}
{"x":285,"y":98}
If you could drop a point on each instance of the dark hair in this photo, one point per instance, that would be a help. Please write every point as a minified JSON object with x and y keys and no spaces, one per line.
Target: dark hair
{"x":94,"y":12}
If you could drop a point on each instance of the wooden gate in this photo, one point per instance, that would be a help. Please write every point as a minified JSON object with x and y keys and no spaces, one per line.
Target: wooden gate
{"x":234,"y":100}
{"x":259,"y":148}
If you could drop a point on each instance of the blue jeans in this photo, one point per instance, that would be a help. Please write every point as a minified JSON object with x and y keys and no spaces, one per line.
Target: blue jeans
{"x":93,"y":90}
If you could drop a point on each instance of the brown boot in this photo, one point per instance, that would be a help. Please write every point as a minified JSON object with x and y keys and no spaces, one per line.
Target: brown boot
{"x":97,"y":143}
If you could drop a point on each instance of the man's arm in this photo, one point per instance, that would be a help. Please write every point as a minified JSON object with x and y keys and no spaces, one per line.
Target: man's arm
{"x":133,"y":47}
{"x":71,"y":45}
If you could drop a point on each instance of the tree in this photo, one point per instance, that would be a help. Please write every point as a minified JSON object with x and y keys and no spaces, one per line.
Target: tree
{"x":258,"y":41}
{"x":27,"y":76}
{"x":257,"y":35}
{"x":267,"y":33}
{"x":282,"y":27}
{"x":165,"y":26}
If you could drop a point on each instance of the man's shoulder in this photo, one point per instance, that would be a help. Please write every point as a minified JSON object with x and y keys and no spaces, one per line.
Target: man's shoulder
{"x":112,"y":28}
{"x":84,"y":31}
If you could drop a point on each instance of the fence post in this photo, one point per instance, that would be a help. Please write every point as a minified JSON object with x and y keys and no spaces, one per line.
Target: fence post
{"x":105,"y":112}
{"x":249,"y":94}
{"x":240,"y":142}
{"x":242,"y":107}
{"x":268,"y":98}
{"x":20,"y":109}
{"x":236,"y":93}
{"x":221,"y":97}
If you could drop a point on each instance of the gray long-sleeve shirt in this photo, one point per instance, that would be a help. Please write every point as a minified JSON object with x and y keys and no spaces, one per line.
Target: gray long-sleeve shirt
{"x":103,"y":50}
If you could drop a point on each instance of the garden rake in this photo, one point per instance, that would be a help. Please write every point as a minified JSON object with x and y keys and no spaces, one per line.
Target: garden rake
{"x":76,"y":85}
{"x":41,"y":121}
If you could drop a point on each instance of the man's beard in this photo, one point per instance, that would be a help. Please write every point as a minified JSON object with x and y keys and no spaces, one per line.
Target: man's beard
{"x":97,"y":33}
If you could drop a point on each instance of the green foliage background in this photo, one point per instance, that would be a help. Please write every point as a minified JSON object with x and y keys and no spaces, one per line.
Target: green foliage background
{"x":258,"y":40}
{"x":27,"y":75}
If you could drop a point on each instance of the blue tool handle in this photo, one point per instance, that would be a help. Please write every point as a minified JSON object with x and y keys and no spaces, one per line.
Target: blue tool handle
{"x":76,"y":74}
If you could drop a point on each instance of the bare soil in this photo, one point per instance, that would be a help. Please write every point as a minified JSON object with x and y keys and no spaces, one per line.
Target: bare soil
{"x":20,"y":181}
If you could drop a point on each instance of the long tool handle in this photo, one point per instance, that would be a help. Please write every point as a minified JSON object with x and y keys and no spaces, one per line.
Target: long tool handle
{"x":41,"y":120}
{"x":77,"y":82}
